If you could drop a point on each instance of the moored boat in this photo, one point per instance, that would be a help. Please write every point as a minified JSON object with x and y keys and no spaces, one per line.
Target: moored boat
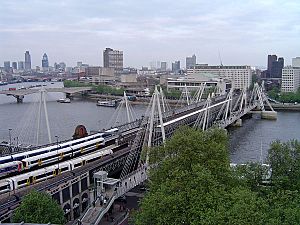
{"x":111,"y":103}
{"x":3,"y":83}
{"x":64,"y":100}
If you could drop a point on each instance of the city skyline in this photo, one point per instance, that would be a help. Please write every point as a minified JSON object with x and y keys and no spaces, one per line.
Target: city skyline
{"x":243,"y":32}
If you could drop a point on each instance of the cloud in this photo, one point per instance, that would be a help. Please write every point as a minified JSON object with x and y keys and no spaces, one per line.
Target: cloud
{"x":143,"y":28}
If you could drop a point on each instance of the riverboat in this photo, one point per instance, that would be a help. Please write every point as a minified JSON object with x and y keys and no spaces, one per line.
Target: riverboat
{"x":111,"y":103}
{"x":64,"y":100}
{"x":3,"y":83}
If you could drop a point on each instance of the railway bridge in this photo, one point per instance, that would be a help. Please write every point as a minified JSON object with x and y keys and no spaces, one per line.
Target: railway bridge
{"x":79,"y":191}
{"x":19,"y":94}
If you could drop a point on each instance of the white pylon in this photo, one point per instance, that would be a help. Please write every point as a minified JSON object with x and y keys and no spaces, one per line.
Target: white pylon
{"x":155,"y":105}
{"x":206,"y":113}
{"x":43,"y":101}
{"x":198,"y":95}
{"x":127,"y":107}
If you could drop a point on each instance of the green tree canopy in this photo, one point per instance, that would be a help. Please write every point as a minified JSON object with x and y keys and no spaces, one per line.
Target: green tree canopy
{"x":39,"y":207}
{"x":284,"y":159}
{"x":191,"y":182}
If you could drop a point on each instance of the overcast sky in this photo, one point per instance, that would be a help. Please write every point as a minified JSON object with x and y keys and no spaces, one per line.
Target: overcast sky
{"x":243,"y":31}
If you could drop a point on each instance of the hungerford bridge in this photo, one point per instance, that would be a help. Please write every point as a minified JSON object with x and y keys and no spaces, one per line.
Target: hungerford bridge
{"x":78,"y":191}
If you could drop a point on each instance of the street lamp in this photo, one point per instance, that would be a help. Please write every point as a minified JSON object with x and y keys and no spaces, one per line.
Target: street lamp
{"x":9,"y":133}
{"x":99,"y":123}
{"x":57,"y":152}
{"x":17,"y":144}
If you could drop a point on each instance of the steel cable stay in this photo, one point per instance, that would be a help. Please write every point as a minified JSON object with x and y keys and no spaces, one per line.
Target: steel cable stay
{"x":147,"y":136}
{"x":118,"y":118}
{"x":25,"y":128}
{"x":65,"y":114}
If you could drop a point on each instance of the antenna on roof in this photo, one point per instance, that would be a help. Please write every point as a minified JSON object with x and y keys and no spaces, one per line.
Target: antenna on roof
{"x":220,"y":58}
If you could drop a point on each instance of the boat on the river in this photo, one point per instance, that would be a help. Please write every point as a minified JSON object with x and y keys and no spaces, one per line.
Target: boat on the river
{"x":3,"y":83}
{"x":110,"y":103}
{"x":64,"y":100}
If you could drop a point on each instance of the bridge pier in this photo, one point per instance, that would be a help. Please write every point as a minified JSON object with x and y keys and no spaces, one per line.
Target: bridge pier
{"x":19,"y":98}
{"x":68,"y":95}
{"x":238,"y":123}
{"x":269,"y":115}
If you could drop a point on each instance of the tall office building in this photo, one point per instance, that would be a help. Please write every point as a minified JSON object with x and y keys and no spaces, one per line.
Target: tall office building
{"x":296,"y":62}
{"x":190,"y":62}
{"x":27,"y":61}
{"x":14,"y":65}
{"x":176,"y":67}
{"x":113,"y":59}
{"x":271,"y":59}
{"x":45,"y":62}
{"x":275,"y":66}
{"x":7,"y":66}
{"x":21,"y":65}
{"x":290,"y":79}
{"x":163,"y":66}
{"x":240,"y":76}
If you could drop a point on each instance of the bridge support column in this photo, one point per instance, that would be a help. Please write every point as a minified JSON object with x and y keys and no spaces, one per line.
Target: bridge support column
{"x":238,"y":123}
{"x":269,"y":115}
{"x":68,"y":95}
{"x":19,"y":98}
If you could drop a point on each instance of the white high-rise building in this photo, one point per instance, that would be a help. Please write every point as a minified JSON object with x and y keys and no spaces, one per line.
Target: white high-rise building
{"x":296,"y":62}
{"x":290,"y":79}
{"x":240,"y":76}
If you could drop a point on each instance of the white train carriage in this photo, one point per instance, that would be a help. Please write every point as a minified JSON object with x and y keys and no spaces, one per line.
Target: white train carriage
{"x":6,"y":168}
{"x":59,"y":154}
{"x":6,"y":185}
{"x":35,"y":176}
{"x":110,"y":132}
{"x":5,"y":159}
{"x":39,"y":175}
{"x":81,"y":161}
{"x":35,"y":152}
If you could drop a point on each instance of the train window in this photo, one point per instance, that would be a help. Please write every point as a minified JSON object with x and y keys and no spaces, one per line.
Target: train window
{"x":77,"y":165}
{"x":35,"y":161}
{"x":40,"y":176}
{"x":4,"y":187}
{"x":49,"y":174}
{"x":15,"y":167}
{"x":93,"y":159}
{"x":49,"y":157}
{"x":64,"y":169}
{"x":22,"y":182}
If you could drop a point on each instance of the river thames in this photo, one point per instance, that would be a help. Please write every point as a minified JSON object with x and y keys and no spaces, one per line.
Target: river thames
{"x":247,"y":143}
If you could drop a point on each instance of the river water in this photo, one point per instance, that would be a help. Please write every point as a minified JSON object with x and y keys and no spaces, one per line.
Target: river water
{"x":247,"y":143}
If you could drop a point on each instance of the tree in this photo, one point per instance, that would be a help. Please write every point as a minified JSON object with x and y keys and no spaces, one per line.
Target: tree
{"x":284,"y":159}
{"x":191,"y":183}
{"x":39,"y":207}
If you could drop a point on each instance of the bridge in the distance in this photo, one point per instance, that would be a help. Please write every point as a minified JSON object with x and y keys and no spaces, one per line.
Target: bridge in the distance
{"x":158,"y":124}
{"x":20,"y":93}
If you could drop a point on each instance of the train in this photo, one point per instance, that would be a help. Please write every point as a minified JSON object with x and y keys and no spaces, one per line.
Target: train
{"x":60,"y":154}
{"x":45,"y":155}
{"x":32,"y":177}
